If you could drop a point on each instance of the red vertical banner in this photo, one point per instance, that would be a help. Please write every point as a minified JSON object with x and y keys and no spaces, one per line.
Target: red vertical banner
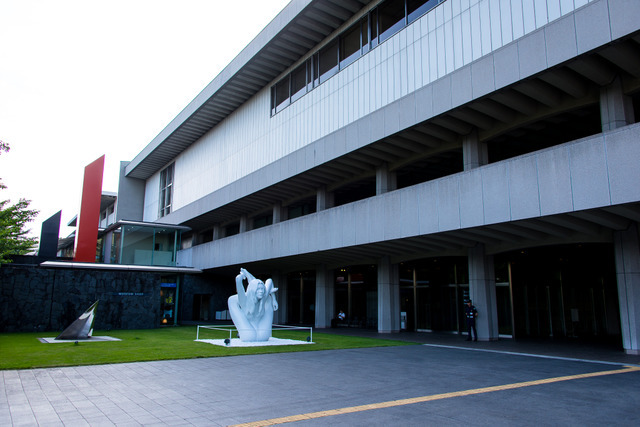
{"x":89,"y":219}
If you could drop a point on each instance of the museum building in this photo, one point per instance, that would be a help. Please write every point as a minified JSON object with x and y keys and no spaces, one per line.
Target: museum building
{"x":393,"y":158}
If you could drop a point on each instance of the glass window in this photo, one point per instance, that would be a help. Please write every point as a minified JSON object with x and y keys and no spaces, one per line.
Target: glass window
{"x":364,"y":34}
{"x":417,"y":8}
{"x":373,"y":27}
{"x":390,"y":18}
{"x":166,"y":193}
{"x":315,"y":70}
{"x":350,"y":45}
{"x":232,"y":230}
{"x":281,"y":98}
{"x":328,"y":59}
{"x":262,"y":221}
{"x":298,"y":82}
{"x":301,"y":209}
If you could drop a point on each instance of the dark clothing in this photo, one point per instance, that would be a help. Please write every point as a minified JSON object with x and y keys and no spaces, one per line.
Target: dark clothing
{"x":471,"y":313}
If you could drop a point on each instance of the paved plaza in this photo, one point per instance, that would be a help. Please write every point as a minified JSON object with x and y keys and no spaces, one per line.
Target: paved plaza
{"x":447,"y":382}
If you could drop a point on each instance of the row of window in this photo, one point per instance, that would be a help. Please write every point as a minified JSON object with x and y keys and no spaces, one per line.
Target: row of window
{"x":378,"y":25}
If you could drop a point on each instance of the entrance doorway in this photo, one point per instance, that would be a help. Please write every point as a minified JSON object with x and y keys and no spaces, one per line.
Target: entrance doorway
{"x":432,"y":294}
{"x":201,"y":304}
{"x":356,"y":293}
{"x":301,"y":290}
{"x":566,"y":292}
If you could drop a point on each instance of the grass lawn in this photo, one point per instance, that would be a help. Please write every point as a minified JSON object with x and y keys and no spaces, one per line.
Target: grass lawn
{"x":24,"y":350}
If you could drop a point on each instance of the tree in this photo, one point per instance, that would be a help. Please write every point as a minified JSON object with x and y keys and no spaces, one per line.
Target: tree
{"x":14,"y":238}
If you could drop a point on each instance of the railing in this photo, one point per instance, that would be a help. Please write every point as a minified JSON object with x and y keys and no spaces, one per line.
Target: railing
{"x":232,"y":328}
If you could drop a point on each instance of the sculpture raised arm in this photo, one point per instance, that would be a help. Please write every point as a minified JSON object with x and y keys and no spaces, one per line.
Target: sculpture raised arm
{"x":242,"y":295}
{"x":271,"y":290}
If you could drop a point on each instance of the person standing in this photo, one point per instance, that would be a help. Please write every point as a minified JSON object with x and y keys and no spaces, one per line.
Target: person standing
{"x":471,"y":313}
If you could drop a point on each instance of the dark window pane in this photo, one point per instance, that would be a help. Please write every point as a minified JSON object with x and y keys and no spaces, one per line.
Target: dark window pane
{"x":364,"y":34}
{"x":231,"y":230}
{"x":373,"y":26}
{"x":417,"y":8}
{"x":262,"y":221}
{"x":328,"y":60}
{"x":350,"y":45}
{"x":390,"y":18}
{"x":315,"y":69}
{"x":282,"y":93}
{"x":298,"y":82}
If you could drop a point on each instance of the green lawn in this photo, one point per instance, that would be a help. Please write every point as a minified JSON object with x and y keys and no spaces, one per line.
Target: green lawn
{"x":24,"y":350}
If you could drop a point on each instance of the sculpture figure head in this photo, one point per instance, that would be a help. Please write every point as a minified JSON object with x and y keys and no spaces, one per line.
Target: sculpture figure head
{"x":256,"y":293}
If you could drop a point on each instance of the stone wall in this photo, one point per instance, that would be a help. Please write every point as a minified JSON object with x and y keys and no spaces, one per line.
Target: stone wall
{"x":218,"y":288}
{"x":34,"y":298}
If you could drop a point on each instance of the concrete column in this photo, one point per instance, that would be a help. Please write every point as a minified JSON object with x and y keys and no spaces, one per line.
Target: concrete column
{"x":388,"y":296}
{"x":482,"y":290}
{"x":325,"y":297}
{"x":385,"y":180}
{"x":474,"y":153}
{"x":324,"y":199}
{"x":280,"y":317}
{"x":106,"y":247}
{"x":627,"y":253}
{"x":277,"y":213}
{"x":217,"y":232}
{"x":616,"y":108}
{"x":244,"y":223}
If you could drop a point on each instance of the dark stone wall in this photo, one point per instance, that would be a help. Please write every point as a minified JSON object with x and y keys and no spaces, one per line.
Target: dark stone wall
{"x":34,"y":298}
{"x":219,"y":289}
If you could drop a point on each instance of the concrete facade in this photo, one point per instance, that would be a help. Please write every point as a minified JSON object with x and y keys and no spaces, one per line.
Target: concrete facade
{"x":478,"y":129}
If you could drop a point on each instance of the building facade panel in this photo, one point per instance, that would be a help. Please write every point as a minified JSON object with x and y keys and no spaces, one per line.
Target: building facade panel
{"x":495,"y":192}
{"x":471,"y":200}
{"x":623,"y":152}
{"x":523,"y":187}
{"x":554,"y":178}
{"x":593,"y":26}
{"x":589,"y":178}
{"x":624,"y":17}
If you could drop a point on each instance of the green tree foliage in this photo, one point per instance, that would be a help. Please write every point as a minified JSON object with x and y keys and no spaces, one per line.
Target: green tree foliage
{"x":14,"y":238}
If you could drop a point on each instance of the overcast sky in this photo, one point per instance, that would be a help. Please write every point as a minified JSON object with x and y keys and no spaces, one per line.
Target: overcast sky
{"x":83,"y":78}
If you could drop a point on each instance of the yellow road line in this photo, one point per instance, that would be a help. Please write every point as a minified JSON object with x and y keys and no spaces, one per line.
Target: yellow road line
{"x":392,"y":403}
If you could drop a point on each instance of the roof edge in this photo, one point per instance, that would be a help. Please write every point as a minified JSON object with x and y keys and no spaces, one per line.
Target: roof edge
{"x":277,"y":24}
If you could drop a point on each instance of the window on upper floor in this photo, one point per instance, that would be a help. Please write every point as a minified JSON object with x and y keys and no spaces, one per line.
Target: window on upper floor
{"x":262,"y":221}
{"x":389,"y":17}
{"x":166,"y":190}
{"x":232,"y":229}
{"x":350,"y":44}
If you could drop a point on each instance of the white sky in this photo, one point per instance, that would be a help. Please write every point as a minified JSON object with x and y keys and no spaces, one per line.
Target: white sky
{"x":83,"y":78}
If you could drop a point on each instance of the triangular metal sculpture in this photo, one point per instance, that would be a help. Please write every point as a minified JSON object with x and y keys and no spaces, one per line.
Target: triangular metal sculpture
{"x":82,"y":327}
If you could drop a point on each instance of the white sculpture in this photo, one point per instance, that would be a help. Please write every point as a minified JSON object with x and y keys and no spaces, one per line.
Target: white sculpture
{"x":252,"y":311}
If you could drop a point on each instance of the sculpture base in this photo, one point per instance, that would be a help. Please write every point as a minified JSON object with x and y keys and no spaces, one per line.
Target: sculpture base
{"x":235,"y":342}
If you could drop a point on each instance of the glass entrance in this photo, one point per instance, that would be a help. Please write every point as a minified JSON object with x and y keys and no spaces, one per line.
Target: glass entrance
{"x":432,"y":293}
{"x":566,"y":291}
{"x":301,"y":290}
{"x":356,"y":293}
